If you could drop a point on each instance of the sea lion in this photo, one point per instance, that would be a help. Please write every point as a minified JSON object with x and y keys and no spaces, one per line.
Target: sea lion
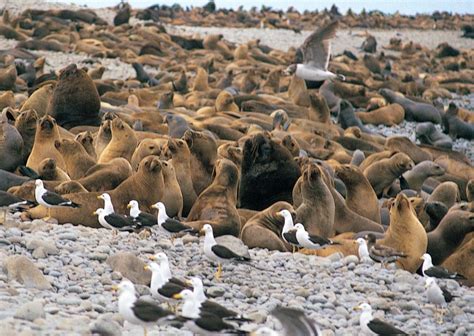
{"x":347,"y":117}
{"x":47,"y":133}
{"x":449,"y":234}
{"x":75,"y":156}
{"x":8,"y":180}
{"x":268,"y":173}
{"x":406,"y":234}
{"x":318,"y":109}
{"x":122,"y":144}
{"x":216,"y":205}
{"x":415,"y":177}
{"x":389,"y":115}
{"x":172,"y":197}
{"x":181,"y":161}
{"x":360,"y":196}
{"x":75,"y":99}
{"x":357,"y":158}
{"x":427,"y":134}
{"x":70,"y":187}
{"x":435,"y":211}
{"x":177,"y":125}
{"x":87,"y":141}
{"x":263,"y":230}
{"x":145,"y":148}
{"x":454,"y":126}
{"x":446,"y":193}
{"x":106,"y":176}
{"x":470,"y":190}
{"x":404,"y":145}
{"x":462,"y":170}
{"x":7,"y":99}
{"x":50,"y":172}
{"x":461,"y":261}
{"x":26,"y":123}
{"x":414,"y":111}
{"x":316,"y":211}
{"x":39,"y":100}
{"x":145,"y":186}
{"x":11,"y":143}
{"x":103,"y":137}
{"x":381,"y":174}
{"x":8,"y":77}
{"x":203,"y":149}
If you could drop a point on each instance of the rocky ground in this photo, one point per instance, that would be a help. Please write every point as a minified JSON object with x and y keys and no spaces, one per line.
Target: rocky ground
{"x":75,"y":298}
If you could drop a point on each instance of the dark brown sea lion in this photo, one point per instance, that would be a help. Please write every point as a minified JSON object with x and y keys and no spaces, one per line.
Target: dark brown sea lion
{"x":11,"y":143}
{"x":216,"y":205}
{"x":75,"y":99}
{"x":456,"y":127}
{"x":263,"y":230}
{"x":268,"y":173}
{"x":50,"y":172}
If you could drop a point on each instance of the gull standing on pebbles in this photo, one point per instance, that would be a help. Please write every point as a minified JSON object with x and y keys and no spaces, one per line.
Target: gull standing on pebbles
{"x":288,"y":233}
{"x":138,"y":311}
{"x":114,"y":221}
{"x":374,"y":326}
{"x":429,"y":270}
{"x":316,"y":51}
{"x":439,"y":296}
{"x":170,"y":225}
{"x":141,"y":218}
{"x":313,"y":242}
{"x":363,"y":250}
{"x":218,"y":253}
{"x":108,"y":206}
{"x":160,"y":287}
{"x":50,"y":199}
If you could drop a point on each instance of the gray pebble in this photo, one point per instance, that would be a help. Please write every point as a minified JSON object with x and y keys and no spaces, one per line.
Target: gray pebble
{"x":31,"y":311}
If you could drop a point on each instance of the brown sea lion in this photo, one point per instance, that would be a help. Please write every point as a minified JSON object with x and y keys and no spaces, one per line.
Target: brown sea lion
{"x":404,"y":145}
{"x":216,"y":205}
{"x":449,"y":234}
{"x":8,"y":77}
{"x":416,"y":176}
{"x":7,"y":99}
{"x":122,"y":144}
{"x":181,"y":161}
{"x":145,"y":148}
{"x":106,"y":176}
{"x":50,"y":172}
{"x":446,"y":193}
{"x":103,"y":137}
{"x":268,"y":173}
{"x":75,"y":99}
{"x":316,"y":212}
{"x":11,"y":143}
{"x":470,"y":190}
{"x":390,"y":115}
{"x":457,"y":168}
{"x":318,"y":109}
{"x":70,"y":187}
{"x":360,"y":196}
{"x":461,"y":261}
{"x":145,"y":186}
{"x":381,"y":174}
{"x":406,"y":234}
{"x":26,"y":123}
{"x":372,"y":158}
{"x":75,"y":156}
{"x":47,"y":133}
{"x":263,"y":230}
{"x":203,"y":149}
{"x":39,"y":100}
{"x":87,"y":141}
{"x":172,"y":197}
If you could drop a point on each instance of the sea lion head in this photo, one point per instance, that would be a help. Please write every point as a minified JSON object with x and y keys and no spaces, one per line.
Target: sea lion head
{"x":435,"y":209}
{"x":84,"y":138}
{"x":417,"y":203}
{"x":48,"y":164}
{"x":68,"y":71}
{"x":403,"y":161}
{"x":47,"y":124}
{"x":168,"y":169}
{"x":281,"y":120}
{"x":290,"y":143}
{"x":67,"y":145}
{"x":230,"y":151}
{"x":175,"y":146}
{"x":291,"y":70}
{"x":225,"y":173}
{"x":311,"y":174}
{"x":400,"y":205}
{"x":27,"y":120}
{"x":347,"y":172}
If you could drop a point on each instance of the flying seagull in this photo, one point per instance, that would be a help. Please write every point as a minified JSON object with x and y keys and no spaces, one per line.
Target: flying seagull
{"x":429,"y":270}
{"x":50,"y":199}
{"x":295,"y":322}
{"x":316,"y":51}
{"x":374,"y":326}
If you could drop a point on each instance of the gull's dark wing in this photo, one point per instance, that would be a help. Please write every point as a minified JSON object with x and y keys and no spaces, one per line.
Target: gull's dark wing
{"x":223,"y":252}
{"x":149,"y":311}
{"x":383,"y":328}
{"x":295,"y":322}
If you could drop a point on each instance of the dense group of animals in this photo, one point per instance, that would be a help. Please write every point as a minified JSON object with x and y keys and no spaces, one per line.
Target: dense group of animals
{"x":239,"y":139}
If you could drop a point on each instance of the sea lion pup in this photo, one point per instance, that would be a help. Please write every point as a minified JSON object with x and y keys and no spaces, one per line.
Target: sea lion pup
{"x":39,"y":100}
{"x":87,"y":141}
{"x":225,"y":102}
{"x":145,"y":148}
{"x":449,"y":234}
{"x":390,"y":115}
{"x":103,"y":137}
{"x":8,"y":78}
{"x":427,"y":134}
{"x":461,"y":261}
{"x":406,"y":234}
{"x":446,"y":193}
{"x":50,"y":172}
{"x":122,"y":144}
{"x":414,"y":178}
{"x":75,"y":156}
{"x":318,"y":109}
{"x":173,"y":197}
{"x":347,"y":117}
{"x":404,"y":145}
{"x":47,"y":132}
{"x":268,"y":173}
{"x":216,"y":205}
{"x":232,"y":152}
{"x":381,"y":174}
{"x":106,"y":176}
{"x":75,"y":99}
{"x":454,"y":126}
{"x":360,"y":196}
{"x":145,"y":186}
{"x":263,"y":230}
{"x":70,"y":187}
{"x":11,"y":143}
{"x":414,"y":111}
{"x":203,"y":149}
{"x":181,"y":161}
{"x":316,"y":211}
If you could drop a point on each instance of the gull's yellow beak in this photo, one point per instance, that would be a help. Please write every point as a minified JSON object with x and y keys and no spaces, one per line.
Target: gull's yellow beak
{"x":147,"y":268}
{"x":115,"y":288}
{"x":177,"y":296}
{"x":129,"y":206}
{"x":357,"y":308}
{"x":152,"y":257}
{"x":154,"y":206}
{"x":201,"y":232}
{"x":99,"y":197}
{"x":188,"y":282}
{"x":94,"y":213}
{"x":421,"y":258}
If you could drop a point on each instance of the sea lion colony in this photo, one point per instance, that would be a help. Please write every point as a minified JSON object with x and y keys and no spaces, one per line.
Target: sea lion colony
{"x":222,"y":137}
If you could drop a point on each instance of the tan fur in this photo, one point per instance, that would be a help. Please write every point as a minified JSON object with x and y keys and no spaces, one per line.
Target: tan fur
{"x":122,"y":144}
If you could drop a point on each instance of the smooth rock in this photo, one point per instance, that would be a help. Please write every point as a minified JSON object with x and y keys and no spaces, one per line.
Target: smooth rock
{"x":31,"y":311}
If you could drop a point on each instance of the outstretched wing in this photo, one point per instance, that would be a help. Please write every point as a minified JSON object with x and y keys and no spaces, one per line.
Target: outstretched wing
{"x":295,"y":322}
{"x":317,"y":46}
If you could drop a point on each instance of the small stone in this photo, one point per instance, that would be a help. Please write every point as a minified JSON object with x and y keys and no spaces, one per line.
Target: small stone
{"x":303,"y":292}
{"x":68,"y":236}
{"x":215,"y":291}
{"x":31,"y":311}
{"x":165,"y":244}
{"x":187,"y":239}
{"x":98,"y":256}
{"x":461,"y":331}
{"x":335,"y":257}
{"x":42,"y":248}
{"x":350,"y":259}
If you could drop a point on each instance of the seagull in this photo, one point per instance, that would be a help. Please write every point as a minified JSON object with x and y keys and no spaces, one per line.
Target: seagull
{"x":381,"y":253}
{"x":211,"y":306}
{"x":9,"y":201}
{"x":429,"y":270}
{"x":108,"y":206}
{"x":170,"y":225}
{"x":363,"y":250}
{"x":437,"y":295}
{"x":160,"y":287}
{"x":139,"y":217}
{"x":201,"y":322}
{"x":316,"y":51}
{"x":313,"y":242}
{"x":114,"y":221}
{"x":165,"y":268}
{"x":295,"y":322}
{"x":375,"y":326}
{"x":138,"y":311}
{"x":288,"y":233}
{"x":50,"y":199}
{"x":218,"y":253}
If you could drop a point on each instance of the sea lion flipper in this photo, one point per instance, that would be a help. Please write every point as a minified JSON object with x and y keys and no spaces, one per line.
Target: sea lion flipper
{"x":29,"y":172}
